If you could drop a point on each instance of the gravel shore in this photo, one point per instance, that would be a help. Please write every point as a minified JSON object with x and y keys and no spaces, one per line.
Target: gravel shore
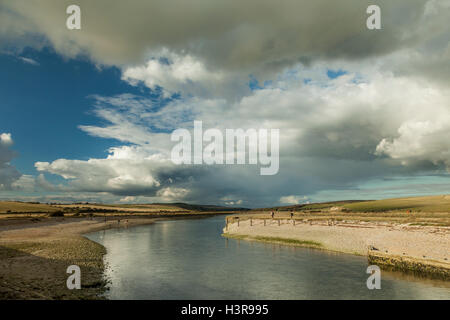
{"x":421,"y":243}
{"x":34,"y":256}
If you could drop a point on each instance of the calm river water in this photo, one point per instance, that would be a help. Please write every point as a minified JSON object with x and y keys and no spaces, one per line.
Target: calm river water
{"x":189,"y":259}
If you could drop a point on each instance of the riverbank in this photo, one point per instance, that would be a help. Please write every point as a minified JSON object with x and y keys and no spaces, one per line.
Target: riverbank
{"x":419,"y":249}
{"x":34,"y":256}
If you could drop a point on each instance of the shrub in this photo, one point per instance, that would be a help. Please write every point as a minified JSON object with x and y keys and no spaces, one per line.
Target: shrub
{"x":56,"y":214}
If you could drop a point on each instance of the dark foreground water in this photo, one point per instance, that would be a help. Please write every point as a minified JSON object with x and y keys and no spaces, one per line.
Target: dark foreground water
{"x":188,"y":259}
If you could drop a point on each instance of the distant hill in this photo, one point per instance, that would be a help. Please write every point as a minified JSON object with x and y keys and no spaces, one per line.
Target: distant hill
{"x":310,"y":206}
{"x":201,"y":207}
{"x":417,"y":204}
{"x":35,"y":207}
{"x":156,"y":207}
{"x":439,"y":203}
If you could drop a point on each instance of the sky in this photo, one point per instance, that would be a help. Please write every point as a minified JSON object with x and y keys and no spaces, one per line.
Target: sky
{"x":87,"y":115}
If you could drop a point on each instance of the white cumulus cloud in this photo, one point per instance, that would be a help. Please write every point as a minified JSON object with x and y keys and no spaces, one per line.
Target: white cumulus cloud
{"x":8,"y":174}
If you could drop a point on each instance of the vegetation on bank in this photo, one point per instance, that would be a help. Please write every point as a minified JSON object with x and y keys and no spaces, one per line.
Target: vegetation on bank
{"x":418,"y":267}
{"x":284,"y":241}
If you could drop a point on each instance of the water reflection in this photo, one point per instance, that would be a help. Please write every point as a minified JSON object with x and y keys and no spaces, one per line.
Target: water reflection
{"x":188,"y":259}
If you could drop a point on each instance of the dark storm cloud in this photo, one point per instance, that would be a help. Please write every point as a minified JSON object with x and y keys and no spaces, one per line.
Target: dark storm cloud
{"x":232,"y":35}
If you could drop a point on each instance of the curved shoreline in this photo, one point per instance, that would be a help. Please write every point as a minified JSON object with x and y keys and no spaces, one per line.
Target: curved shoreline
{"x":419,"y":250}
{"x":35,"y":254}
{"x":34,"y":257}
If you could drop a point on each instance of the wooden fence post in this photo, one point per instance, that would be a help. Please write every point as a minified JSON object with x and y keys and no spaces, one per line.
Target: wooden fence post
{"x":278,"y":221}
{"x":264,"y":222}
{"x":251,"y":222}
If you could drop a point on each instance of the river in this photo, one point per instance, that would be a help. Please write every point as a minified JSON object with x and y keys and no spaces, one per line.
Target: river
{"x":189,"y":259}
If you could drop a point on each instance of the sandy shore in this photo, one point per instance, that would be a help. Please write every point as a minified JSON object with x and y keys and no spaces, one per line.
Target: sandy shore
{"x":423,"y":244}
{"x":34,"y":256}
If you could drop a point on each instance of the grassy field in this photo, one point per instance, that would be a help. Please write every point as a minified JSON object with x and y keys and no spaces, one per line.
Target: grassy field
{"x":430,"y":204}
{"x":25,"y":207}
{"x":417,"y":204}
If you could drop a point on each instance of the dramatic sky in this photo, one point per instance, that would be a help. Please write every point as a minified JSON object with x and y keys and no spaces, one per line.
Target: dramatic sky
{"x":86,"y":115}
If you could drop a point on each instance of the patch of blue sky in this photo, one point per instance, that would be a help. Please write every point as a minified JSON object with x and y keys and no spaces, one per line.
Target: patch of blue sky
{"x":253,"y":83}
{"x":333,"y":74}
{"x":43,"y":105}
